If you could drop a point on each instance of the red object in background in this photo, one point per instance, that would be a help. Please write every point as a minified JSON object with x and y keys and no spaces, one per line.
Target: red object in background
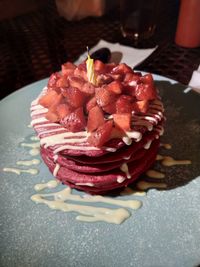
{"x":188,"y":27}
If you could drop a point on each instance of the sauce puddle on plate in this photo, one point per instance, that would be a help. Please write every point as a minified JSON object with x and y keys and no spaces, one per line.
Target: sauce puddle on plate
{"x":67,"y":200}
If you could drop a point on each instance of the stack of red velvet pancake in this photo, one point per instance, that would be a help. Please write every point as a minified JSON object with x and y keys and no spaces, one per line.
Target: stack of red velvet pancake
{"x":98,"y":135}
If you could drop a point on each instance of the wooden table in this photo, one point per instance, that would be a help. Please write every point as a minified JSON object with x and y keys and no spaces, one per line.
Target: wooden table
{"x":34,"y":45}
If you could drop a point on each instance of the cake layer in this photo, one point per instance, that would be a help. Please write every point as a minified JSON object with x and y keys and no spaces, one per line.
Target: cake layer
{"x":107,"y":180}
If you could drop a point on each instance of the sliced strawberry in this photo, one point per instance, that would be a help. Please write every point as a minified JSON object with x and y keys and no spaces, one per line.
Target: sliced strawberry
{"x":52,"y":115}
{"x":104,"y":79}
{"x":110,"y":67}
{"x":49,"y":98}
{"x":147,"y":79}
{"x":62,"y":82}
{"x":63,"y":110}
{"x":124,"y":104}
{"x":110,"y":108}
{"x":53,"y":80}
{"x":68,"y":65}
{"x":91,"y":103}
{"x":77,"y":82}
{"x":140,"y":106}
{"x":82,"y":66}
{"x":99,"y":66}
{"x":122,"y":121}
{"x":117,"y":76}
{"x":145,"y":92}
{"x":129,"y":90}
{"x":122,"y":68}
{"x":68,"y":68}
{"x":131,"y":78}
{"x":95,"y":118}
{"x":75,"y":121}
{"x":115,"y":87}
{"x":104,"y":96}
{"x":138,"y":73}
{"x":64,"y":91}
{"x":81,"y":71}
{"x":58,"y":100}
{"x":101,"y":135}
{"x":88,"y":88}
{"x":75,"y":97}
{"x":116,"y":133}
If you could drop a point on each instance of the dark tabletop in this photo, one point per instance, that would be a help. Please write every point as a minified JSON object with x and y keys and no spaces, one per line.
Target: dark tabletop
{"x":34,"y":45}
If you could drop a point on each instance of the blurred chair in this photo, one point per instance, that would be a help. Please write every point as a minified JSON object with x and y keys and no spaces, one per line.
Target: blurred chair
{"x":13,"y":8}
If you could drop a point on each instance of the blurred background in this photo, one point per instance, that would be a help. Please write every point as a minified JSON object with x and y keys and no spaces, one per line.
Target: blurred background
{"x":37,"y":36}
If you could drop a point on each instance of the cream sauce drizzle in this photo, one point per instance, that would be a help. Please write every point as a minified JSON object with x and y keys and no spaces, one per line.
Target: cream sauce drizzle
{"x":66,"y":137}
{"x":35,"y":148}
{"x":34,"y":152}
{"x":91,"y":213}
{"x":160,"y":129}
{"x":39,"y":111}
{"x":38,"y":120}
{"x":32,"y":145}
{"x":60,"y":138}
{"x":47,"y":125}
{"x":88,"y":213}
{"x":19,"y":171}
{"x":129,"y":191}
{"x":157,"y":114}
{"x":34,"y":138}
{"x":61,"y":148}
{"x":56,"y":169}
{"x":50,"y":184}
{"x":55,"y":157}
{"x":169,"y":161}
{"x":166,"y":146}
{"x":159,"y":157}
{"x":110,"y":149}
{"x":145,"y":123}
{"x":151,"y":119}
{"x":127,"y":140}
{"x":86,"y":184}
{"x":134,"y":135}
{"x":35,"y":105}
{"x":124,"y":168}
{"x":144,"y":185}
{"x":28,"y":162}
{"x":155,"y":174}
{"x":51,"y":131}
{"x":120,"y":179}
{"x":127,"y":157}
{"x":148,"y":144}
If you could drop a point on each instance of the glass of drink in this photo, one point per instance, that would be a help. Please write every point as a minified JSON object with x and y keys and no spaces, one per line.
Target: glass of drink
{"x":138,"y":18}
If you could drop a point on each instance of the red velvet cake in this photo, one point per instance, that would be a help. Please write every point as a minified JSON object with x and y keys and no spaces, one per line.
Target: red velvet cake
{"x":99,"y":125}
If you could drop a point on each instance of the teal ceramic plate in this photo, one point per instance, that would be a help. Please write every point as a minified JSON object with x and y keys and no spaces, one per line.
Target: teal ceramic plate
{"x":164,"y":232}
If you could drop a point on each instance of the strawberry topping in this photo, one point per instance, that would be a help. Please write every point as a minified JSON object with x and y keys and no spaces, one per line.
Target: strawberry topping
{"x":80,"y":105}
